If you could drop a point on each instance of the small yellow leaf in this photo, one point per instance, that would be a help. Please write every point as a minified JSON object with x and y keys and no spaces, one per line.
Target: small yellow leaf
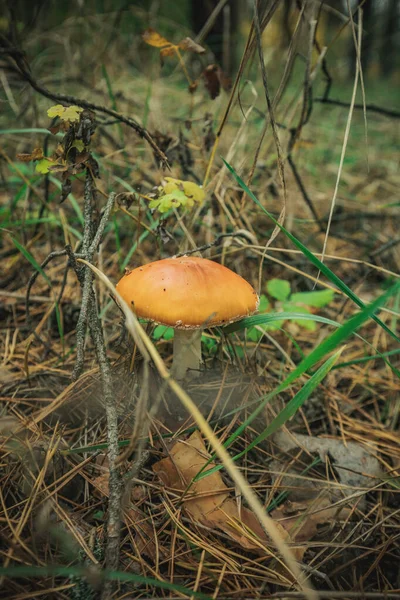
{"x":72,"y":113}
{"x":55,"y":111}
{"x":190,"y":189}
{"x":43,"y":165}
{"x":151,"y":37}
{"x":66,"y":113}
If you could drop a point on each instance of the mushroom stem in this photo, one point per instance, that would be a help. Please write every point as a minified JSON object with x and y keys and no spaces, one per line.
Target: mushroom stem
{"x":187,"y":352}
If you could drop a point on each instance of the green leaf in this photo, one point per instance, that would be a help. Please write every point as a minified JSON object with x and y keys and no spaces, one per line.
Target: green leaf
{"x":278,"y":289}
{"x":192,"y":191}
{"x":311,"y":257}
{"x":264,"y":304}
{"x":43,"y":166}
{"x":78,"y":144}
{"x":165,"y":202}
{"x":66,"y":113}
{"x":274,"y":317}
{"x":209,"y":343}
{"x":306,"y":323}
{"x":315,"y":299}
{"x":162,"y":331}
{"x":62,"y":571}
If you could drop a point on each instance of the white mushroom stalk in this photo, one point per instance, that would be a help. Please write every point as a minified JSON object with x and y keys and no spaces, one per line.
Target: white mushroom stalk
{"x":187,"y":353}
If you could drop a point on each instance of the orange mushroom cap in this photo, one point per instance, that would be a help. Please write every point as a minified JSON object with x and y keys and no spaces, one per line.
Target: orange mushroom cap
{"x":188,"y":292}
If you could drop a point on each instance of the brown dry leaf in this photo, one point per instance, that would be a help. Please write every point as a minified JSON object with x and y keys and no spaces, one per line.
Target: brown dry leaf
{"x":153,"y":38}
{"x":37,"y":154}
{"x":54,"y":130}
{"x":190,"y":45}
{"x":134,"y":517}
{"x":208,"y":501}
{"x":214,"y":79}
{"x":168,"y":51}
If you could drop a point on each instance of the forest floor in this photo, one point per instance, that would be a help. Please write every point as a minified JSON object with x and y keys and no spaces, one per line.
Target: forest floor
{"x":322,"y":454}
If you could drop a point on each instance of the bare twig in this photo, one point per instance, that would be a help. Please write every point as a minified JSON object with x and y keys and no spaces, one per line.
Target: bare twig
{"x":90,"y":244}
{"x":387,"y":112}
{"x":215,"y":242}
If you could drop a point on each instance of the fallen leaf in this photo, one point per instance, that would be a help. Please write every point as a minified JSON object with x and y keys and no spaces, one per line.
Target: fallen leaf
{"x":208,"y":500}
{"x":55,"y":129}
{"x":301,"y":519}
{"x":212,"y":82}
{"x":355,"y":466}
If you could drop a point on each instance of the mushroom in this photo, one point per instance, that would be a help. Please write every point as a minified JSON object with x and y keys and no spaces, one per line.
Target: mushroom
{"x":188,"y":294}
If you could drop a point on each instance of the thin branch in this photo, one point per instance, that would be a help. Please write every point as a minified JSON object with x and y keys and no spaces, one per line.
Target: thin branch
{"x":89,"y":317}
{"x":387,"y":112}
{"x":25,"y":73}
{"x":303,"y":191}
{"x":216,"y":242}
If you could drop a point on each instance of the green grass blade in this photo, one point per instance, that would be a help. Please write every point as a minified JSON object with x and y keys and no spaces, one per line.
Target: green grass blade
{"x":279,"y":316}
{"x":62,"y":571}
{"x":28,"y":130}
{"x":308,"y":254}
{"x":31,"y":259}
{"x":271,"y":317}
{"x":364,"y":359}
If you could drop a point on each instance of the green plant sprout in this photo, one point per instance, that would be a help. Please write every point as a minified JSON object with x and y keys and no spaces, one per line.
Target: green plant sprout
{"x":300,"y":302}
{"x":175,"y":193}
